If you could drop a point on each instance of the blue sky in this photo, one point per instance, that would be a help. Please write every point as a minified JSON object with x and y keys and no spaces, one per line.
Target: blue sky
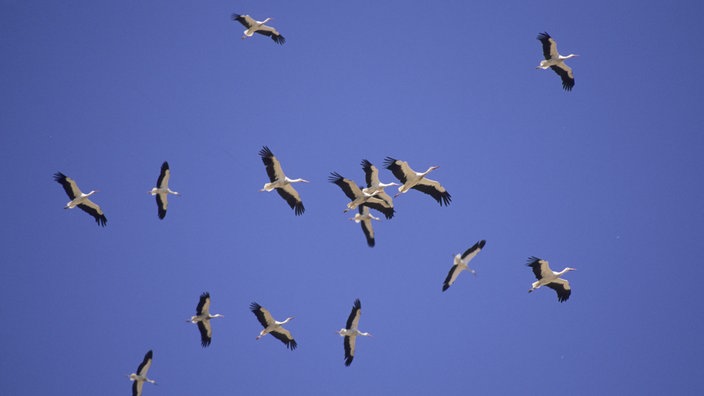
{"x":606,"y":179}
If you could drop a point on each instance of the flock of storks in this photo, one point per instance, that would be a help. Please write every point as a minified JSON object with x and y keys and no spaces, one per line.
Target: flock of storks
{"x":361,"y":198}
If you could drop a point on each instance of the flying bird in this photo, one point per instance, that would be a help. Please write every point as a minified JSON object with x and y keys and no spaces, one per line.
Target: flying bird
{"x":141,"y":376}
{"x":364,"y":217}
{"x":351,"y":331}
{"x":162,"y":190}
{"x":80,"y":199}
{"x":417,"y":180}
{"x":358,"y":197}
{"x":461,"y":263}
{"x":550,"y":278}
{"x":202,"y":318}
{"x":258,"y":27}
{"x":555,"y":61}
{"x":273,"y":326}
{"x":374,"y":186}
{"x":280,"y":182}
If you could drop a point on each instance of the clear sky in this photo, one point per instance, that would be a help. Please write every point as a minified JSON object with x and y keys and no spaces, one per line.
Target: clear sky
{"x":606,"y":178}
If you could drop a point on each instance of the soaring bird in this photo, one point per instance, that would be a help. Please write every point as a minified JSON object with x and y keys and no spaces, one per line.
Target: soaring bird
{"x":364,"y":217}
{"x":374,"y":186}
{"x":550,"y":278}
{"x":162,"y":190}
{"x":258,"y":27}
{"x":351,"y":331}
{"x":417,"y":180}
{"x":80,"y":199}
{"x":357,"y":197}
{"x":280,"y":182}
{"x":273,"y":326}
{"x":555,"y":61}
{"x":141,"y":376}
{"x":461,"y":263}
{"x":202,"y":318}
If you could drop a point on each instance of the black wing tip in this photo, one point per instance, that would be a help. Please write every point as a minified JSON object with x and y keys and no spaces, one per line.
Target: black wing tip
{"x":165,"y":165}
{"x":389,"y":214}
{"x":278,"y":39}
{"x":348,"y":361}
{"x":543,"y":36}
{"x":205,"y":342}
{"x":162,"y":214}
{"x":59,"y":177}
{"x":149,"y":354}
{"x":357,"y":304}
{"x":205,"y":295}
{"x":292,"y":344}
{"x":299,"y":209}
{"x":532,"y":260}
{"x":481,"y":244}
{"x":445,"y":199}
{"x":371,"y":243}
{"x":389,"y":161}
{"x":335,"y":177}
{"x":265,"y":152}
{"x":254,"y":307}
{"x":236,"y":17}
{"x":366,"y":164}
{"x":568,"y":85}
{"x":445,"y":286}
{"x":101,"y":220}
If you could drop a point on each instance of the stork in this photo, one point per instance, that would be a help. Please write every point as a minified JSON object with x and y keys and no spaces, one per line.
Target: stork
{"x":280,"y":182}
{"x":364,"y":217}
{"x":417,"y":180}
{"x":258,"y":27}
{"x":358,"y":197}
{"x":555,"y":61}
{"x":273,"y":326}
{"x":202,"y":318}
{"x":550,"y":278}
{"x":374,"y":186}
{"x":162,"y":190}
{"x":351,"y":331}
{"x":461,"y":263}
{"x":141,"y":376}
{"x":80,"y":199}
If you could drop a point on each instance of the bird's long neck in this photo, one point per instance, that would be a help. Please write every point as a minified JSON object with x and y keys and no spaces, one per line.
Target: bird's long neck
{"x":564,"y":271}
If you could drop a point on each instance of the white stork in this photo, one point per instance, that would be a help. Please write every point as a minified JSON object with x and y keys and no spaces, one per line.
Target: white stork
{"x":555,"y":61}
{"x":202,"y":317}
{"x":417,"y":180}
{"x":80,"y":199}
{"x":374,"y":186}
{"x":141,"y":376}
{"x":351,"y":331}
{"x":258,"y":27}
{"x":162,"y":190}
{"x":273,"y":326}
{"x":550,"y":278}
{"x":364,"y":217}
{"x":461,"y":263}
{"x":358,"y":197}
{"x":280,"y":182}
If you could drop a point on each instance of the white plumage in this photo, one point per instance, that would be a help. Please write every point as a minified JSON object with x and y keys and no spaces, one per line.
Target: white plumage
{"x":78,"y":198}
{"x":272,"y":326}
{"x":140,"y":377}
{"x":550,"y":278}
{"x":258,"y":27}
{"x":555,"y":61}
{"x":351,"y":331}
{"x":461,"y":262}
